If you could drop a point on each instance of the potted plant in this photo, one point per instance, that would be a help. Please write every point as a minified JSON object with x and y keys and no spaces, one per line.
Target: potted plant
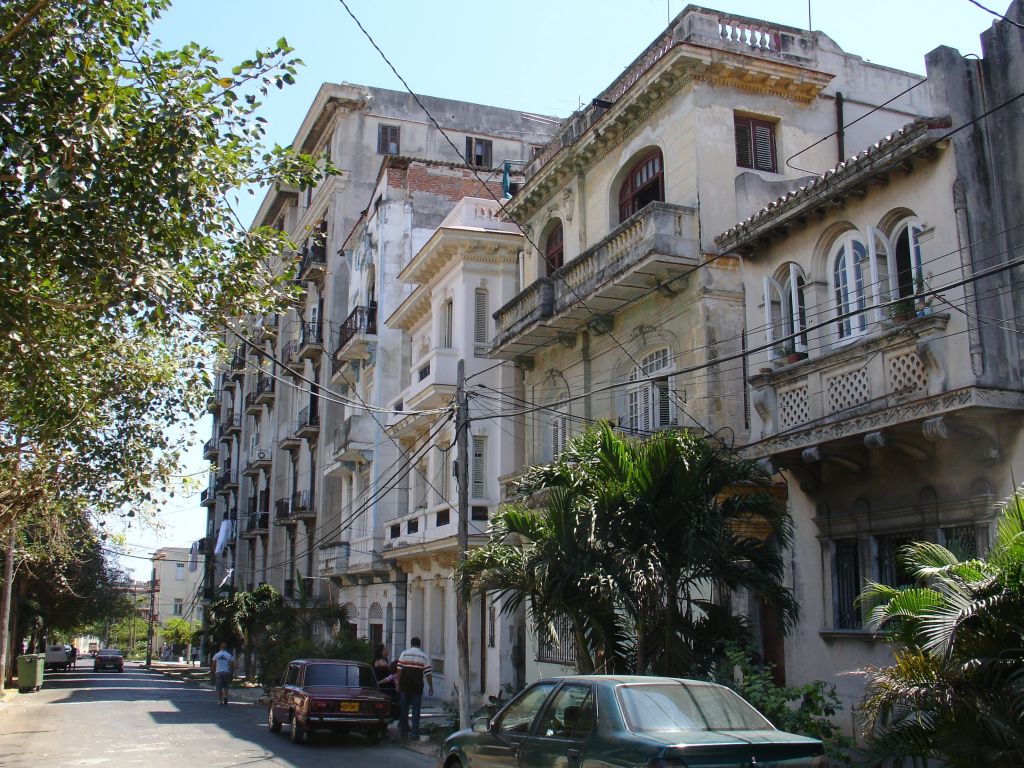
{"x":902,"y":310}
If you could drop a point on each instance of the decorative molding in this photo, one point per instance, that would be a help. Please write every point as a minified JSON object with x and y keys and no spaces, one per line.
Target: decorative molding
{"x":947,"y":402}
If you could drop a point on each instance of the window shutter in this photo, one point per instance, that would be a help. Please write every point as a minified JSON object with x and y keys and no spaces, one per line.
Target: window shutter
{"x":744,"y":142}
{"x":646,"y":407}
{"x":469,"y":150}
{"x":480,"y":322}
{"x":478,"y":487}
{"x":663,"y":399}
{"x":764,"y":147}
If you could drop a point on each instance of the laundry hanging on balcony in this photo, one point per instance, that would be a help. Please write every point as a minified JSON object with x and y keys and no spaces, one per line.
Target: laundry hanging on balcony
{"x":223,"y":537}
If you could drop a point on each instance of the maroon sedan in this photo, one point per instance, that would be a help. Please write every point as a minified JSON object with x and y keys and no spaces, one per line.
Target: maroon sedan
{"x":329,"y":695}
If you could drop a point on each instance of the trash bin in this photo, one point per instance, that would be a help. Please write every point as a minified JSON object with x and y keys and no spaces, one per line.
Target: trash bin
{"x":30,"y":671}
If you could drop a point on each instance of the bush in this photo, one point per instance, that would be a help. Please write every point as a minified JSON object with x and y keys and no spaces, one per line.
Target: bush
{"x":804,"y":709}
{"x":274,"y":657}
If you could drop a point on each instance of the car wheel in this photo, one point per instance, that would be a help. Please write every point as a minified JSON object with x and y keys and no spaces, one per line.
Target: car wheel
{"x":273,"y":722}
{"x":298,"y":733}
{"x":453,"y":762}
{"x":374,"y":735}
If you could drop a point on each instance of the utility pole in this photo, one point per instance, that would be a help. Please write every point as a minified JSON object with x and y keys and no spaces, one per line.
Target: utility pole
{"x":5,"y":608}
{"x":461,"y":596}
{"x":152,"y":610}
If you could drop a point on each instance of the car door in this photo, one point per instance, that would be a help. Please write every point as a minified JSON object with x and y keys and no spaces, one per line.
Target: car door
{"x":564,"y":730}
{"x":283,"y":693}
{"x":499,"y":748}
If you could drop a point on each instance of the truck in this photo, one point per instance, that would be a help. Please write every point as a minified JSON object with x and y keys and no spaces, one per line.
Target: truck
{"x":58,"y":656}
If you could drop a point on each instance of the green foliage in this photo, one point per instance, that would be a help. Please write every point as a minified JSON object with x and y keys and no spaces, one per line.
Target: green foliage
{"x":275,"y":657}
{"x":180,"y":632}
{"x":121,"y":256}
{"x":129,"y":635}
{"x":624,"y":537}
{"x":955,"y":692}
{"x":805,"y":709}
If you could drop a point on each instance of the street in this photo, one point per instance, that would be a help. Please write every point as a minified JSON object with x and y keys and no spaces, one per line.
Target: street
{"x":140,"y":717}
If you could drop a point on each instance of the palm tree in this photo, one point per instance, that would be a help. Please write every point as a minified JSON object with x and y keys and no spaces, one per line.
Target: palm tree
{"x":627,"y":539}
{"x":955,"y":691}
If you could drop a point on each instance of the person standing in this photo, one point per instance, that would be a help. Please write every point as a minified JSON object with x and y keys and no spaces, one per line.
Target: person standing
{"x":413,"y":669}
{"x":223,"y":669}
{"x":381,"y":663}
{"x":73,"y":657}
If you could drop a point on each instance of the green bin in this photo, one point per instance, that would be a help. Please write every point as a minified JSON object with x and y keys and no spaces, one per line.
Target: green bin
{"x":30,"y":671}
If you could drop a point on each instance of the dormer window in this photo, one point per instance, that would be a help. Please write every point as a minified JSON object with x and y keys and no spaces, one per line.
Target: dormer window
{"x":644,"y":184}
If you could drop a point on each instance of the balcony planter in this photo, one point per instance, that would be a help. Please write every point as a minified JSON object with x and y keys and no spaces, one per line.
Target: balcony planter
{"x":796,"y":357}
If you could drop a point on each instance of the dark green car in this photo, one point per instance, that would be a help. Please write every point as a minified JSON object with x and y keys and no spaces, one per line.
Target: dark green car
{"x":607,"y":721}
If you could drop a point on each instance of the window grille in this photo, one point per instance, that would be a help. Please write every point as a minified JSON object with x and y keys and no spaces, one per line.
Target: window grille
{"x":562,"y":652}
{"x":848,"y":584}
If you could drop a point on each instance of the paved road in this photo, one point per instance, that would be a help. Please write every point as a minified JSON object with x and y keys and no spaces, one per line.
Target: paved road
{"x":141,"y":718}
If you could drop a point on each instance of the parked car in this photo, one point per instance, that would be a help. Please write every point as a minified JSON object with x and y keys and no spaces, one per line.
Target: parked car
{"x":329,"y":695}
{"x":628,"y":721}
{"x":108,"y":658}
{"x":57,"y":657}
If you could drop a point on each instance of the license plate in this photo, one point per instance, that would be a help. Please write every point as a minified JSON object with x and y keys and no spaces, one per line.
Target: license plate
{"x":350,"y":706}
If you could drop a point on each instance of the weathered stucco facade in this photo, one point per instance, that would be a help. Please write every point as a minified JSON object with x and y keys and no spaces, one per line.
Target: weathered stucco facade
{"x":884,"y":357}
{"x":294,"y":456}
{"x":627,"y":303}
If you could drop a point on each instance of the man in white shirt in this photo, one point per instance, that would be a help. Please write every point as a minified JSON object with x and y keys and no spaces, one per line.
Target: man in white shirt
{"x":223,"y":664}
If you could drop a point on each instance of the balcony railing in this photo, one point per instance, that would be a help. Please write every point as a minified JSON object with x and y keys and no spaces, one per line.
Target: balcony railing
{"x":352,"y":342}
{"x":226,"y":480}
{"x":211,"y":448}
{"x":302,"y":504}
{"x":290,"y":354}
{"x":311,"y":344}
{"x":660,"y":239}
{"x":283,"y":511}
{"x":265,"y":388}
{"x":308,"y":424}
{"x":334,"y":558}
{"x":314,"y":262}
{"x":207,"y":498}
{"x":257,"y":522}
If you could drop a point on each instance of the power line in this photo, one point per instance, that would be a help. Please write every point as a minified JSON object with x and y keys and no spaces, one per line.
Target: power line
{"x":996,"y":14}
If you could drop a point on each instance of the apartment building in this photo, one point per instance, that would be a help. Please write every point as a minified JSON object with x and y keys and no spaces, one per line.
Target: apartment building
{"x":627,"y":303}
{"x":882,"y":311}
{"x":465,"y":270}
{"x":296,"y":401}
{"x":178,"y":584}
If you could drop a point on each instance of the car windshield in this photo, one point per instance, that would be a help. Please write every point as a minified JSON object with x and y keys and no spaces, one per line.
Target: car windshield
{"x":346,"y":675}
{"x":654,"y":707}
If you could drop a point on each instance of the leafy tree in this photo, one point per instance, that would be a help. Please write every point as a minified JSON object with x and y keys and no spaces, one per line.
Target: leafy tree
{"x":121,"y":256}
{"x":626,"y":537}
{"x":247,"y":620}
{"x":180,"y":632}
{"x":955,"y":692}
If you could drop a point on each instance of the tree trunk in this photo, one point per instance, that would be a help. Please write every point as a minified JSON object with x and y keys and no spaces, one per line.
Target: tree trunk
{"x":584,"y":661}
{"x":6,"y":640}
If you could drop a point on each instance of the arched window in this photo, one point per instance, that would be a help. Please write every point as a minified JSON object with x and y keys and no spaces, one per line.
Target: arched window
{"x":649,"y":403}
{"x":906,"y":256}
{"x":850,"y":260}
{"x":786,"y":311}
{"x":645,"y":183}
{"x":554,"y":251}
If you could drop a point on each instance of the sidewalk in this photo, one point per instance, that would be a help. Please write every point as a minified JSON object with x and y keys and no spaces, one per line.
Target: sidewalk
{"x":200,"y":676}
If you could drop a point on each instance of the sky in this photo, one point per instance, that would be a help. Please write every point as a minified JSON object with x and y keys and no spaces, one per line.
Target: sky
{"x":540,"y":56}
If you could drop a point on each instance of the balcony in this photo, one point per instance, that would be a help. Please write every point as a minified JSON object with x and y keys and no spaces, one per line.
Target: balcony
{"x":302,"y":505}
{"x":283,"y":512}
{"x":260,"y":455}
{"x":213,"y":403}
{"x":314,"y":263}
{"x":888,"y":389}
{"x":433,"y":380}
{"x":334,"y":558}
{"x":311,"y":343}
{"x":257,"y":523}
{"x":308,"y":424}
{"x":290,"y":356}
{"x":227,"y":481}
{"x":265,"y":389}
{"x":268,"y":328}
{"x":251,"y":406}
{"x":207,"y":498}
{"x":354,"y":439}
{"x":290,"y":441}
{"x":211,"y":448}
{"x":646,"y":251}
{"x":229,"y":425}
{"x":355,"y":337}
{"x":237,"y":371}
